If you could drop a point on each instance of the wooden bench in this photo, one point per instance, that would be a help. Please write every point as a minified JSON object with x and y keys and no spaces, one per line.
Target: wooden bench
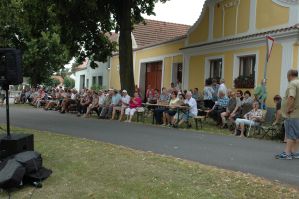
{"x":199,"y":119}
{"x":140,"y":113}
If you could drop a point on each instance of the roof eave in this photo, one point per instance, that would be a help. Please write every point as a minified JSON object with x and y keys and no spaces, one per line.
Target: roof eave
{"x":254,"y":37}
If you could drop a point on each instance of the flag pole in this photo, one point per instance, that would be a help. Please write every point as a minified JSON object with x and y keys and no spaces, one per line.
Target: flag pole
{"x":268,"y":53}
{"x":266,"y":60}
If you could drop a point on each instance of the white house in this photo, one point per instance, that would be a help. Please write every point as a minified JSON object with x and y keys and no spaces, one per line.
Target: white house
{"x":86,"y":77}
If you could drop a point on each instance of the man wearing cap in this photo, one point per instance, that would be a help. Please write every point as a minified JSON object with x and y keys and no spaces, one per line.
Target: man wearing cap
{"x":125,"y":100}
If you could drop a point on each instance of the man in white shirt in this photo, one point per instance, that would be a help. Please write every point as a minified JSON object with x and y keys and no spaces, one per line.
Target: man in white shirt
{"x":125,"y":100}
{"x":192,"y":112}
{"x":222,"y":88}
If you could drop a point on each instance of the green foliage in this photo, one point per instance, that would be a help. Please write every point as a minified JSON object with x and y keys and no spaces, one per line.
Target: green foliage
{"x":69,"y":82}
{"x":51,"y":32}
{"x":96,"y":88}
{"x":30,"y":26}
{"x":50,"y":82}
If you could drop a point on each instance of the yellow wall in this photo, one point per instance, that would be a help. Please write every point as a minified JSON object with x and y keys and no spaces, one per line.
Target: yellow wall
{"x":158,"y":51}
{"x":230,"y":20}
{"x":231,"y":25}
{"x":201,"y":32}
{"x":196,"y":72}
{"x":167,"y":72}
{"x":270,"y":14}
{"x":163,"y":51}
{"x":178,"y":59}
{"x":295,"y":57}
{"x":197,"y":68}
{"x":218,"y":22}
{"x":114,"y":74}
{"x":243,"y":16}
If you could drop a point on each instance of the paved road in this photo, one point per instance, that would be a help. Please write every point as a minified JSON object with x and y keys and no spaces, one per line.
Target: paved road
{"x":229,"y":152}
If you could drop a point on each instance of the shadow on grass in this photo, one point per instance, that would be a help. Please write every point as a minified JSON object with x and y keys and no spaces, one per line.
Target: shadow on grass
{"x":91,"y":169}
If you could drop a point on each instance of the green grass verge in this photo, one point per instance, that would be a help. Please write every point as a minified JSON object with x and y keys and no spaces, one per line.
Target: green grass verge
{"x":91,"y":169}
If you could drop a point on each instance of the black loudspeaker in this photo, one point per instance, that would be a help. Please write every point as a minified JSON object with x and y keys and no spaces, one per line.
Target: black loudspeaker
{"x":10,"y":67}
{"x":16,"y":143}
{"x":11,"y":174}
{"x":31,"y":160}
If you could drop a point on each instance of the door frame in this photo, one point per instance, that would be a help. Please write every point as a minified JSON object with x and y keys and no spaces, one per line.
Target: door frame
{"x":142,"y":72}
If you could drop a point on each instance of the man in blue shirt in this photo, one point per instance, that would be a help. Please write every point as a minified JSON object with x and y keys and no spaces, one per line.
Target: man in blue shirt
{"x":116,"y":97}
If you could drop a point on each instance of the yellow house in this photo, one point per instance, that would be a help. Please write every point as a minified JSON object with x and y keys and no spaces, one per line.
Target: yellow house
{"x":228,"y":41}
{"x":157,"y":58}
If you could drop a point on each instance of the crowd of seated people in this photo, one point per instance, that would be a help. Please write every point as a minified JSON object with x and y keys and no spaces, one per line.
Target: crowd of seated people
{"x":171,"y":107}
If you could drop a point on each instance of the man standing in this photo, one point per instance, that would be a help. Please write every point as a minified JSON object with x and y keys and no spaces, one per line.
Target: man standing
{"x":290,"y":110}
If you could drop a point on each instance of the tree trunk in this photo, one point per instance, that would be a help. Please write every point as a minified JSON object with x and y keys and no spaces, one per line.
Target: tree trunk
{"x":126,"y":72}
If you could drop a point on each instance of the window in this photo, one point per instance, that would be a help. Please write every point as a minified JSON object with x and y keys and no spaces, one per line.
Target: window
{"x":177,"y":72}
{"x":216,"y":69}
{"x":247,"y":66}
{"x":100,"y":81}
{"x":94,"y":80}
{"x":180,"y":72}
{"x":82,"y":81}
{"x":246,"y":78}
{"x":87,"y":83}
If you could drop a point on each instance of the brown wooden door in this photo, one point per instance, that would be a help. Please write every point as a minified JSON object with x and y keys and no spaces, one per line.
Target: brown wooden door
{"x":154,"y":75}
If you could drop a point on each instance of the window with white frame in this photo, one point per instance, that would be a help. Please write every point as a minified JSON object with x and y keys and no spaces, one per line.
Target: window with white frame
{"x":216,"y":69}
{"x":246,"y":78}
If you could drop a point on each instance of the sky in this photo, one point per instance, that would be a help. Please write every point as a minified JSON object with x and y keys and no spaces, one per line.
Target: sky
{"x":178,"y":11}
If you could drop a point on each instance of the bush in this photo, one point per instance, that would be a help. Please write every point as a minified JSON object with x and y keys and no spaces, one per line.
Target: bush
{"x":51,"y":82}
{"x":96,"y":88}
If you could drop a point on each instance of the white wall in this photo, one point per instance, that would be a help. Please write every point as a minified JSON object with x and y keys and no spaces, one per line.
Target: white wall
{"x":101,"y":70}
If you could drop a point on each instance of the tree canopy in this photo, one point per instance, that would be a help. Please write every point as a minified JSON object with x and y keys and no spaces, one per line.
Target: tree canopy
{"x":25,"y":25}
{"x":51,"y":32}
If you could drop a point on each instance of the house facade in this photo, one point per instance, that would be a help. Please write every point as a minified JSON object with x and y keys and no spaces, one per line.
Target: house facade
{"x":228,"y":41}
{"x":86,"y":77}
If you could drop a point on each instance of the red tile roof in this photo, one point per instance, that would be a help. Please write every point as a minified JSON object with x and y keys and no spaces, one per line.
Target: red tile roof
{"x":154,"y":32}
{"x":82,"y":66}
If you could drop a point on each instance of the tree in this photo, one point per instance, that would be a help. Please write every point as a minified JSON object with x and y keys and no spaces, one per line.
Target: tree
{"x":85,"y":24}
{"x":49,"y":32}
{"x":127,"y":13}
{"x":50,"y":82}
{"x":28,"y":25}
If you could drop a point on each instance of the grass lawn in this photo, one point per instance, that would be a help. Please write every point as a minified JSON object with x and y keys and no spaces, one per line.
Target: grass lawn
{"x":90,"y":169}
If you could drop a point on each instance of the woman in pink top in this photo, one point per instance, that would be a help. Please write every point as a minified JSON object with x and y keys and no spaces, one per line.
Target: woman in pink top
{"x":134,"y":104}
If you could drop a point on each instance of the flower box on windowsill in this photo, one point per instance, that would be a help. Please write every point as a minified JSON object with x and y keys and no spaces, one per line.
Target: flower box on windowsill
{"x":244,"y":82}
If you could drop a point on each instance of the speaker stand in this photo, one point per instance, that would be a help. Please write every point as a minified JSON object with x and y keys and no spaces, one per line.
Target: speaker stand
{"x":13,"y":144}
{"x":6,"y":88}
